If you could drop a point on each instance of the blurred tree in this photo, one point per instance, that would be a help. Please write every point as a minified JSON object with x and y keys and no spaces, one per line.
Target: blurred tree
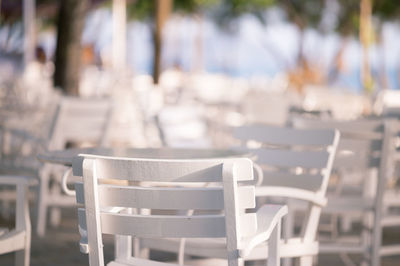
{"x":304,"y":14}
{"x":157,"y":12}
{"x":384,"y":10}
{"x":347,"y":25}
{"x":71,"y":18}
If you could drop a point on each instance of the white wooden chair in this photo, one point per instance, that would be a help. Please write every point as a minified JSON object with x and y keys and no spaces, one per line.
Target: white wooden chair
{"x":19,"y":239}
{"x":106,"y":208}
{"x":296,"y":166}
{"x":77,"y":121}
{"x":363,"y":166}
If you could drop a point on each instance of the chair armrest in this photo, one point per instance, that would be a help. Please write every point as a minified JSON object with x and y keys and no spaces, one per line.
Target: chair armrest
{"x":18,"y":180}
{"x":294,"y":193}
{"x":268,"y":217}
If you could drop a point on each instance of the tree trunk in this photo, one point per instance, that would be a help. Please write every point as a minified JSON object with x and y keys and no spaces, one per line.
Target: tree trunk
{"x":365,"y":39}
{"x":163,"y":9}
{"x":71,"y":19}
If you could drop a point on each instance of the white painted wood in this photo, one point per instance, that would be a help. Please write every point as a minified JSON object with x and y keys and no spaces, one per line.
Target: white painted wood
{"x":168,"y":198}
{"x":19,"y":239}
{"x":290,"y":158}
{"x":76,"y":120}
{"x":286,"y":160}
{"x":233,"y":224}
{"x":370,"y":143}
{"x":296,"y":150}
{"x":276,"y":136}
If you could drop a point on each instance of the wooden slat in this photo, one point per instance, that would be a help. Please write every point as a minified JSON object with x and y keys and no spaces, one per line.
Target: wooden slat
{"x":289,"y":158}
{"x":163,"y":225}
{"x":303,"y":181}
{"x":285,"y":136}
{"x":165,"y":170}
{"x":248,"y":222}
{"x":367,"y":125}
{"x":166,"y":198}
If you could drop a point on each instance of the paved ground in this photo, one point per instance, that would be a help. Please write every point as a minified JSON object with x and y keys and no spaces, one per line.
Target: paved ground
{"x":60,"y":247}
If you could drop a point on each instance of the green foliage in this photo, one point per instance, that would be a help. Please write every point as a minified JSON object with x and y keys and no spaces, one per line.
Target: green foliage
{"x":194,"y":6}
{"x":348,"y":17}
{"x":386,"y":9}
{"x":141,"y":9}
{"x":303,"y":13}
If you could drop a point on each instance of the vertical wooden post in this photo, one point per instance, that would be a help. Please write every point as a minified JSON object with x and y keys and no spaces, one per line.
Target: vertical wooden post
{"x":163,"y":9}
{"x":119,"y":34}
{"x":29,"y":31}
{"x":365,"y":39}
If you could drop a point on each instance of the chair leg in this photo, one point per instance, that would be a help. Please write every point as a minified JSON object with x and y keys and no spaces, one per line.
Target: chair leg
{"x":22,"y":256}
{"x":306,"y":260}
{"x":288,"y":225}
{"x":238,"y":262}
{"x":41,"y":207}
{"x":273,"y":247}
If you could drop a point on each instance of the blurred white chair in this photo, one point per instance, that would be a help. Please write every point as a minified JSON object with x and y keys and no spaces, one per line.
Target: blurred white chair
{"x":296,"y":166}
{"x":387,"y":103}
{"x":362,"y":165}
{"x":18,"y":240}
{"x":78,"y":122}
{"x":343,"y":104}
{"x":107,"y":209}
{"x":265,"y":108}
{"x":289,"y":174}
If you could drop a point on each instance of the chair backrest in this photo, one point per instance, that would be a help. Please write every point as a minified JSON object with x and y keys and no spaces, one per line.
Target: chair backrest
{"x":364,"y":144}
{"x":298,"y":161}
{"x":291,"y":157}
{"x":181,"y":188}
{"x":80,"y":120}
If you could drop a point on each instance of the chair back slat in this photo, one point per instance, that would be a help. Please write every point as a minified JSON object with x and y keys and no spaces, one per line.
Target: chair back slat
{"x":163,"y":170}
{"x":291,"y":179}
{"x":166,"y":198}
{"x":292,"y":158}
{"x":277,"y":136}
{"x":160,"y":226}
{"x":80,"y":120}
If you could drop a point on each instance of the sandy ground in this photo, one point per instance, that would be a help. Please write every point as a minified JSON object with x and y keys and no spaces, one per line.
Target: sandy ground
{"x":60,"y":247}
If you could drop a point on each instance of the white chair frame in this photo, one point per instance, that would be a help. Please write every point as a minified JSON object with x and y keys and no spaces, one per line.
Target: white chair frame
{"x":365,"y":145}
{"x":18,"y":240}
{"x":282,"y":184}
{"x":106,"y":207}
{"x":76,"y":120}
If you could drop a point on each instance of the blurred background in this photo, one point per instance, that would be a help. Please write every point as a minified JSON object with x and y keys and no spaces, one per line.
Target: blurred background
{"x":217,"y":55}
{"x":183,"y":73}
